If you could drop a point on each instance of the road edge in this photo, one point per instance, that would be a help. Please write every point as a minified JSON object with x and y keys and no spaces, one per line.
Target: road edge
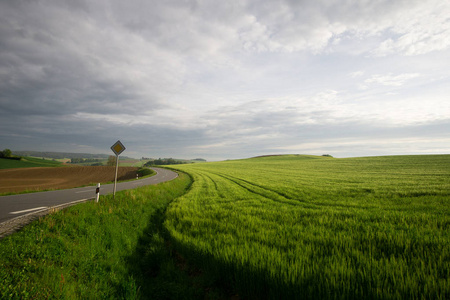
{"x":13,"y":225}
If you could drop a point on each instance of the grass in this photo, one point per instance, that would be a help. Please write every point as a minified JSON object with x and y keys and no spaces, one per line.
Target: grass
{"x":27,"y":162}
{"x":133,"y":163}
{"x":287,"y":227}
{"x":96,"y":250}
{"x":280,"y":227}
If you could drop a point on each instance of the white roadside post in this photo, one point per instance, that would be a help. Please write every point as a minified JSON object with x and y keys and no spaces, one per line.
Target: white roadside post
{"x":97,"y":191}
{"x":117,"y":148}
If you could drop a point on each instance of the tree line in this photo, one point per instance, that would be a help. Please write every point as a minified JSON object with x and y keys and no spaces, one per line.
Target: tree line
{"x":59,"y":155}
{"x":164,"y":161}
{"x":76,"y":160}
{"x":6,"y":153}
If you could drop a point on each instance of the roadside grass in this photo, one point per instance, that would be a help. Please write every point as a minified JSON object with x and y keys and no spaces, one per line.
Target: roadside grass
{"x":28,"y":162}
{"x":132,"y":163}
{"x":111,"y":249}
{"x":297,"y":227}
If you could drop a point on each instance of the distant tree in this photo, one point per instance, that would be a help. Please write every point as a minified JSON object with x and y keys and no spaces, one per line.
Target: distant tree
{"x":163,"y":161}
{"x":6,"y":153}
{"x":111,"y":161}
{"x":76,"y":160}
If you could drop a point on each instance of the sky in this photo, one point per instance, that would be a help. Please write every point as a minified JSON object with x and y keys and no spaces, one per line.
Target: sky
{"x":226,"y":79}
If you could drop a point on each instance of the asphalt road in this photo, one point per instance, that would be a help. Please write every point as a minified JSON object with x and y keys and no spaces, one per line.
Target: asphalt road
{"x":18,"y":205}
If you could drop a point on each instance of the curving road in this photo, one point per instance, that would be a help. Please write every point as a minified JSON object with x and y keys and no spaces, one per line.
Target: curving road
{"x":19,"y":205}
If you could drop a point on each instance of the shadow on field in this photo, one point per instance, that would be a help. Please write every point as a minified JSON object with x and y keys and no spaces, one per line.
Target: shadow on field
{"x":154,"y":268}
{"x":237,"y":281}
{"x":166,"y":269}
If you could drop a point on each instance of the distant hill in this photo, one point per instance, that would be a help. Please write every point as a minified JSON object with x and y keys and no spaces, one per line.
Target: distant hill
{"x":60,"y":155}
{"x":27,"y":162}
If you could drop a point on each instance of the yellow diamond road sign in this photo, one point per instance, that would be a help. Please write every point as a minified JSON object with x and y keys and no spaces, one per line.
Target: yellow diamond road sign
{"x":118,"y":148}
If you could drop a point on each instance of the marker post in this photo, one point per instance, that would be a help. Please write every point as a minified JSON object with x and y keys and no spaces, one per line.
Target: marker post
{"x":97,"y":191}
{"x":117,"y":148}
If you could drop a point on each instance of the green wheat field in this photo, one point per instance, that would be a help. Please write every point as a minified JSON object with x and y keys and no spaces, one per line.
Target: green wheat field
{"x":316,"y":227}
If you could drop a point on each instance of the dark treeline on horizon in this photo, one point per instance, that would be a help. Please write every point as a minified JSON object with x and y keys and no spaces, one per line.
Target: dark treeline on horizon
{"x":60,"y":155}
{"x":164,"y":161}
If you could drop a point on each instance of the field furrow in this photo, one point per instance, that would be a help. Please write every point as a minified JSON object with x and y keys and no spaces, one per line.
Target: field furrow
{"x":259,"y":190}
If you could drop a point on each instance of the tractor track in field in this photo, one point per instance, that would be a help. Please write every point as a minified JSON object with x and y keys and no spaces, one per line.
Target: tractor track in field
{"x":268,"y":193}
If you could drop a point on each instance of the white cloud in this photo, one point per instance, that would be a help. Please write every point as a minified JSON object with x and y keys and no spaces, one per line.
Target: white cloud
{"x":210,"y":31}
{"x":356,"y":74}
{"x":391,"y":80}
{"x":403,"y":27}
{"x":344,"y":147}
{"x":423,"y":28}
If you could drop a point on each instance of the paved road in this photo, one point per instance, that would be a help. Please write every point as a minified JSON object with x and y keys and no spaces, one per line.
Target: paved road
{"x":18,"y":205}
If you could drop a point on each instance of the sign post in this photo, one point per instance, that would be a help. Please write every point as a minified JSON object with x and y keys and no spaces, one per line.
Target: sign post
{"x":117,"y":148}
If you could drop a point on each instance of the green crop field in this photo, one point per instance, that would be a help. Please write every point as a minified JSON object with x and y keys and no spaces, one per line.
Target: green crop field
{"x":285,"y":227}
{"x":27,"y":162}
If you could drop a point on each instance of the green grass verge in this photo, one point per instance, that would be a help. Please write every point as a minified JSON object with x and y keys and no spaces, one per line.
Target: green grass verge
{"x":145,"y":172}
{"x":298,"y":227}
{"x":27,"y":162}
{"x":108,"y":250}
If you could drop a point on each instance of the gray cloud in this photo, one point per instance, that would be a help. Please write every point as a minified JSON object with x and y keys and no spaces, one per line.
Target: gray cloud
{"x":236,"y":77}
{"x":53,"y":58}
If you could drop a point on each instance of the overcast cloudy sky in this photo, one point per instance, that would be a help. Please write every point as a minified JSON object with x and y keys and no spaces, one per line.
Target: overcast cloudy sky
{"x":226,"y":79}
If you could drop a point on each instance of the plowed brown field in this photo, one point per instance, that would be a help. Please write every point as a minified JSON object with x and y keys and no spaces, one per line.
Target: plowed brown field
{"x":37,"y":179}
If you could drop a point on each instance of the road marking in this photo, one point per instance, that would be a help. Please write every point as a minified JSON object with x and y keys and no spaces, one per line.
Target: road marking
{"x":26,"y":210}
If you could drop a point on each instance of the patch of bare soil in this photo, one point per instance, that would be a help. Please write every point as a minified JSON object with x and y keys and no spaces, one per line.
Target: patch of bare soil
{"x":37,"y":179}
